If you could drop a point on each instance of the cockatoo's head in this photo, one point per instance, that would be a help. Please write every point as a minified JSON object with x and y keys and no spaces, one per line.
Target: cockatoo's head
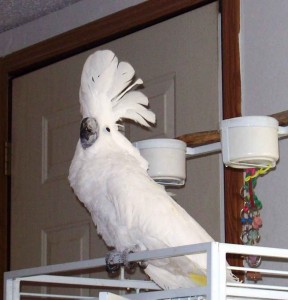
{"x":106,"y":96}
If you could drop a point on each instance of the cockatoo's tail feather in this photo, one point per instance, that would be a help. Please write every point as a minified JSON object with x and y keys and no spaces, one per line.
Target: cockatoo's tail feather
{"x":198,"y":279}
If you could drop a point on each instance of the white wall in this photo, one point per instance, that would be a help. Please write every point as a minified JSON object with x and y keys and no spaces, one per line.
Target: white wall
{"x":58,"y":22}
{"x":264,"y":63}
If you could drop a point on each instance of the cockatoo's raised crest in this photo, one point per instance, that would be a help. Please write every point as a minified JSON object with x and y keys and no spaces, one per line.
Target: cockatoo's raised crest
{"x":110,"y":177}
{"x":106,"y":94}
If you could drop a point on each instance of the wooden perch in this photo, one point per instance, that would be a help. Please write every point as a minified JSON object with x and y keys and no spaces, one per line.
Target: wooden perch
{"x":213,"y":136}
{"x":282,"y":117}
{"x":200,"y":138}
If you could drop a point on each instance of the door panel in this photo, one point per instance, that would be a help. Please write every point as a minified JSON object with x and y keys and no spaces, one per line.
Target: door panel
{"x":56,"y":129}
{"x":178,"y":61}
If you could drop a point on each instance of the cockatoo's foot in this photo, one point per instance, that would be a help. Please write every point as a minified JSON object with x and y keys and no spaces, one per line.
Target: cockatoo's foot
{"x":115,"y":259}
{"x":143,"y":264}
{"x":132,"y":265}
{"x":129,"y":265}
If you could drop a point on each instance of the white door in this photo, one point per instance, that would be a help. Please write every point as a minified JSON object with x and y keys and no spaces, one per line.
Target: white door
{"x":178,"y":61}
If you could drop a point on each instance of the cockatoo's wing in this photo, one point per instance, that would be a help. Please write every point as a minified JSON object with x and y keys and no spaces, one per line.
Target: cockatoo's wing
{"x":163,"y":223}
{"x":137,"y":211}
{"x":105,"y":91}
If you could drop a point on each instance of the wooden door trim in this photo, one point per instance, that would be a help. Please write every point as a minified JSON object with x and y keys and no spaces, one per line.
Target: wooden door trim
{"x":94,"y":34}
{"x":231,"y":81}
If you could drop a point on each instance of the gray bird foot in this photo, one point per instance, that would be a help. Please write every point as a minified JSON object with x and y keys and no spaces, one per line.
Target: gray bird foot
{"x":131,"y":266}
{"x":143,"y":265}
{"x":115,"y":259}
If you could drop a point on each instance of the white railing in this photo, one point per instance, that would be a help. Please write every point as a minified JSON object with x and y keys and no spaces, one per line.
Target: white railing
{"x":217,"y":288}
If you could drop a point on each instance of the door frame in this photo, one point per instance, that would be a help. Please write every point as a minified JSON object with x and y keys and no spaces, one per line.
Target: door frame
{"x":104,"y":30}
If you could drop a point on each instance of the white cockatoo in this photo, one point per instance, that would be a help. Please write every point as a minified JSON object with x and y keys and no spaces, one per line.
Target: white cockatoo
{"x":110,"y":177}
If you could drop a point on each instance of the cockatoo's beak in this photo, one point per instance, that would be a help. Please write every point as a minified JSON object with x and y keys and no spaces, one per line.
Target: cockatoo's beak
{"x":88,"y":132}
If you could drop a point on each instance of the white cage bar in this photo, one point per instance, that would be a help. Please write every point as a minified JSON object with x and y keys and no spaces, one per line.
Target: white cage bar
{"x":216,"y":289}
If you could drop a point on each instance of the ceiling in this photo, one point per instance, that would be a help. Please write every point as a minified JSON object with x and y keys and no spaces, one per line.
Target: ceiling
{"x":14,"y":13}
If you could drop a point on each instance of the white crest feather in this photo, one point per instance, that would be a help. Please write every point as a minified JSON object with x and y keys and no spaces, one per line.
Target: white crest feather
{"x":132,"y":106}
{"x":105,"y":91}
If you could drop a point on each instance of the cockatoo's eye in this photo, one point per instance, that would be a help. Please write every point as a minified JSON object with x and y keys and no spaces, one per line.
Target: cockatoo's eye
{"x":88,"y":132}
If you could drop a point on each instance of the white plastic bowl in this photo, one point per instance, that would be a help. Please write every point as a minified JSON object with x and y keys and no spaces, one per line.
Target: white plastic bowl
{"x":250,"y":141}
{"x":166,"y":158}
